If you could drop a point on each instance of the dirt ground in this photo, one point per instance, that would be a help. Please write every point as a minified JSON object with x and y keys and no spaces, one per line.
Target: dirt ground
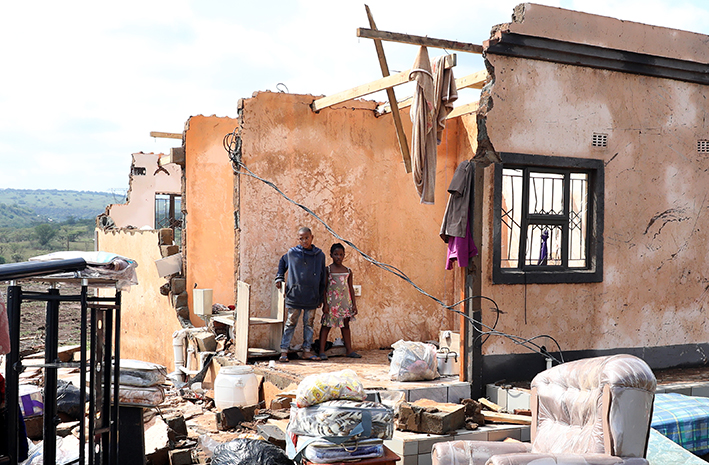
{"x":33,"y":317}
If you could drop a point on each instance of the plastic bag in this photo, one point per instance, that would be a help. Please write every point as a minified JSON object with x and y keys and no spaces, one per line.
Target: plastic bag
{"x":67,"y":452}
{"x":338,"y":418}
{"x":139,"y":373}
{"x":315,"y":389}
{"x":140,"y":396}
{"x":413,"y":361}
{"x":248,"y":452}
{"x":69,"y":400}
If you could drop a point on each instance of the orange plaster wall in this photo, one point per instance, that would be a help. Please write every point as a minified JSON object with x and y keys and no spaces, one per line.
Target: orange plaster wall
{"x":209,"y":206}
{"x":345,"y":164}
{"x":147,"y":317}
{"x":654,"y":289}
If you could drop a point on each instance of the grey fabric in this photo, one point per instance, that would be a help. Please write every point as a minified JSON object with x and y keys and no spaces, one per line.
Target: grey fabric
{"x":455,"y":218}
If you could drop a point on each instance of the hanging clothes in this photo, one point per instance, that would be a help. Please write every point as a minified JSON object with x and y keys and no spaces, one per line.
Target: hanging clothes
{"x":4,"y":328}
{"x":461,"y":249}
{"x":455,"y":218}
{"x":433,"y":101}
{"x":423,"y":136}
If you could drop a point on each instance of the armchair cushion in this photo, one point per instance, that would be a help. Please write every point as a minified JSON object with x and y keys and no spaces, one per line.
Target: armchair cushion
{"x":474,"y":452}
{"x":564,"y":459}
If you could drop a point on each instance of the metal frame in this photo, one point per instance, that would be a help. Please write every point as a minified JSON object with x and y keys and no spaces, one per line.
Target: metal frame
{"x":104,"y":354}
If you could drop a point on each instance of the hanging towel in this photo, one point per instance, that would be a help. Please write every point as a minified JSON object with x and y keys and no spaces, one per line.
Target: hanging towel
{"x":423,"y":136}
{"x":445,"y":93}
{"x":4,"y":328}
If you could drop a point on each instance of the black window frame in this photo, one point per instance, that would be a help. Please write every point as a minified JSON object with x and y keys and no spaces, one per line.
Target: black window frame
{"x":525,"y":274}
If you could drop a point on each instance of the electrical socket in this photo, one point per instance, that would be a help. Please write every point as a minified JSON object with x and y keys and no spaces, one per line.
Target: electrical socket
{"x":357,"y":290}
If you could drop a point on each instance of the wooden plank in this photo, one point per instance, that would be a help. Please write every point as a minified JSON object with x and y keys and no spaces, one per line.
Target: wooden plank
{"x":166,"y":135}
{"x":278,"y":312}
{"x":371,"y":87}
{"x":497,"y":417}
{"x":475,"y":81}
{"x":400,"y":134}
{"x":419,"y":40}
{"x":241,"y":342}
{"x":463,"y":110}
{"x":490,"y":404}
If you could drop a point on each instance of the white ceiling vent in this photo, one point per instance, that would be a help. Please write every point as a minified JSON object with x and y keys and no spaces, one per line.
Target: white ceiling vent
{"x":703,"y":146}
{"x":599,"y":140}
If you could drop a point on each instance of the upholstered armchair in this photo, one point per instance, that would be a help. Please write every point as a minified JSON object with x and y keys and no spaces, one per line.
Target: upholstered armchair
{"x":591,"y":411}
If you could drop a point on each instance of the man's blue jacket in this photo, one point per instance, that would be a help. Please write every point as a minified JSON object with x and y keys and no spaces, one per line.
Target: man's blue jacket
{"x":307,"y":277}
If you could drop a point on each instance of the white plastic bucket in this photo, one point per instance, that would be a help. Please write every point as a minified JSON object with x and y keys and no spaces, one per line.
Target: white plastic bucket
{"x":235,"y":386}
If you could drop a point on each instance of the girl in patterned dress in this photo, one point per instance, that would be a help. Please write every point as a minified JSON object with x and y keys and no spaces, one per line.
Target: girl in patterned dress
{"x":339,"y":306}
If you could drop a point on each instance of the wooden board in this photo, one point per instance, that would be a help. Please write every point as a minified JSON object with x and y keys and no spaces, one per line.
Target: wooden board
{"x":419,"y":40}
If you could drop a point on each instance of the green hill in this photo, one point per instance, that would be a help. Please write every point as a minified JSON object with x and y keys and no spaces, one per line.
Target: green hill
{"x":25,"y":207}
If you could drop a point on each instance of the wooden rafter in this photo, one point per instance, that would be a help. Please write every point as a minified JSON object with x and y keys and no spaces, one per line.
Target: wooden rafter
{"x":475,"y":80}
{"x":400,"y":134}
{"x":166,"y":135}
{"x":419,"y":40}
{"x":463,"y":110}
{"x":371,"y":87}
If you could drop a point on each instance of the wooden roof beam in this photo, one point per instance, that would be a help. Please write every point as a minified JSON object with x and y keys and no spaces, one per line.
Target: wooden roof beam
{"x":463,"y":110}
{"x":475,"y":81}
{"x":400,"y":134}
{"x":419,"y":40}
{"x":166,"y":135}
{"x":372,"y":87}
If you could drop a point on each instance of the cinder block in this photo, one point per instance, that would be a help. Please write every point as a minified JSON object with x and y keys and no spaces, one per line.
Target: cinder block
{"x":426,"y":443}
{"x":502,"y":434}
{"x":497,"y":395}
{"x":457,"y":392}
{"x":205,"y":341}
{"x":701,"y":390}
{"x":437,"y":394}
{"x":178,"y":285}
{"x":179,"y":300}
{"x":525,"y":434}
{"x":518,"y":399}
{"x":425,"y":459}
{"x":180,"y":457}
{"x":409,"y":460}
{"x":167,"y":250}
{"x":166,"y":236}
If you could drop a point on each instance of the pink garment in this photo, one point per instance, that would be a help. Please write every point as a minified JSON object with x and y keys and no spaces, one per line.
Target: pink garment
{"x":461,"y":249}
{"x":4,"y":328}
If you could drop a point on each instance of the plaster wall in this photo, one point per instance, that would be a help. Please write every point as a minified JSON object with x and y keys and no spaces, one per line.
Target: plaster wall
{"x":654,"y":289}
{"x":147,"y":318}
{"x":208,"y":208}
{"x":139,"y":210}
{"x":345,"y":164}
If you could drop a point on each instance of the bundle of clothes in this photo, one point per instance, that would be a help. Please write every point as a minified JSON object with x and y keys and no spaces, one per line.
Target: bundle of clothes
{"x":332,"y":421}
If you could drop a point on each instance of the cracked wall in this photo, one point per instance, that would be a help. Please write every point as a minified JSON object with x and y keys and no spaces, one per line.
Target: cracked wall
{"x":655,"y":283}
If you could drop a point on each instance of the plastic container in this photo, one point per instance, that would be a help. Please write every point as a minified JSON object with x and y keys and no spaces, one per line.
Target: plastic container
{"x":235,"y":386}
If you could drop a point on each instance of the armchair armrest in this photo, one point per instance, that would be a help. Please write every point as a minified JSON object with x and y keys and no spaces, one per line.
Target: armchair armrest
{"x":473,"y":452}
{"x":564,"y":459}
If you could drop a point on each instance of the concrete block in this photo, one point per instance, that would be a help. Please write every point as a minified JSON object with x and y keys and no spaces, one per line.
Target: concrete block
{"x":497,"y":395}
{"x":518,"y":399}
{"x":679,"y":389}
{"x":167,"y":250}
{"x":404,"y":443}
{"x":178,"y":285}
{"x":206,"y":342}
{"x":166,"y":236}
{"x":426,"y":443}
{"x":410,"y":460}
{"x":436,"y":394}
{"x":179,"y":300}
{"x":426,"y":416}
{"x":525,"y":434}
{"x":701,"y":390}
{"x":425,"y":459}
{"x":474,"y":435}
{"x":180,"y":457}
{"x":177,"y":427}
{"x":502,"y":434}
{"x":457,"y":392}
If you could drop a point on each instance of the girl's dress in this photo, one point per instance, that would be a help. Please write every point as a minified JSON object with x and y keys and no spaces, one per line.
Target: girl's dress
{"x":338,"y":298}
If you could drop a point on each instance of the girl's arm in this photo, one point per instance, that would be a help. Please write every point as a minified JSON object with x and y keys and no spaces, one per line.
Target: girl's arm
{"x":352,"y":294}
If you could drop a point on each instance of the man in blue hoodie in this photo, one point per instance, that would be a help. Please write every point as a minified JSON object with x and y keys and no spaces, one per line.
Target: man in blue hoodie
{"x":307,"y":279}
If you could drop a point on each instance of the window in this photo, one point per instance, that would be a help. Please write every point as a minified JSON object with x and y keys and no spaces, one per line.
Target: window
{"x":168,"y":213}
{"x":548,"y":220}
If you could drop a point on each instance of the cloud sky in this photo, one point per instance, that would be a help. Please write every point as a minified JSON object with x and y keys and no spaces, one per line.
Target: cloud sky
{"x":83,"y":83}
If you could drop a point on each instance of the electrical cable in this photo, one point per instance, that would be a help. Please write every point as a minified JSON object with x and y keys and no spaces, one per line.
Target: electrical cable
{"x":232,"y":145}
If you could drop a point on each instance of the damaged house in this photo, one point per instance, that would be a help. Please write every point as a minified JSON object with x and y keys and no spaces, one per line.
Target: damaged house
{"x":588,"y":208}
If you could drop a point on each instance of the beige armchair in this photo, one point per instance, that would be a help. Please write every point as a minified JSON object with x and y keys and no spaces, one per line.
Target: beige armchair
{"x":591,"y":411}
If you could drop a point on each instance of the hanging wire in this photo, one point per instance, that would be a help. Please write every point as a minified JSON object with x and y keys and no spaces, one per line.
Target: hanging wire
{"x":232,"y":144}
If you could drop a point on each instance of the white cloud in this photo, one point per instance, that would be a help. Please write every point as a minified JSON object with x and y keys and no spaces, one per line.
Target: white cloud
{"x":84,"y":82}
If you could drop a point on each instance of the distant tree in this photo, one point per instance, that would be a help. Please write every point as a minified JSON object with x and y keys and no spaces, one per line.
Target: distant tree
{"x":16,"y":257}
{"x":44,"y":233}
{"x":2,"y":260}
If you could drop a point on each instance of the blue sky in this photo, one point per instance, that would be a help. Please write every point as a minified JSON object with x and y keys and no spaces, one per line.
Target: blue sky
{"x":83,"y":83}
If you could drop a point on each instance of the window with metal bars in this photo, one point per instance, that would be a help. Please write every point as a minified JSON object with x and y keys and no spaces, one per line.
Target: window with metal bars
{"x":548,"y":220}
{"x":168,"y":214}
